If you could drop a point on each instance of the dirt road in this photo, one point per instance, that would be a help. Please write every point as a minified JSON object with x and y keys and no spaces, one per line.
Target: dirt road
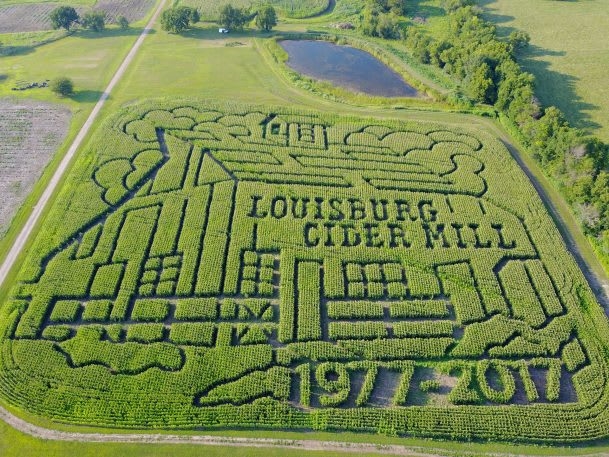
{"x":26,"y":231}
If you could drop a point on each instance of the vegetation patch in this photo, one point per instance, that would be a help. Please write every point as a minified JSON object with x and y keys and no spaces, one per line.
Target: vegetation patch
{"x":214,"y":265}
{"x":210,"y":11}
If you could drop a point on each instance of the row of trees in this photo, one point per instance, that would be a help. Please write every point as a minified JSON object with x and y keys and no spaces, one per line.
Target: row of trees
{"x":176,"y":19}
{"x":67,"y":17}
{"x":180,"y":18}
{"x":235,"y":18}
{"x":489,"y":73}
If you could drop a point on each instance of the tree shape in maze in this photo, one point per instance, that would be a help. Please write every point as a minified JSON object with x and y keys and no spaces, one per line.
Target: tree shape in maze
{"x":287,"y":260}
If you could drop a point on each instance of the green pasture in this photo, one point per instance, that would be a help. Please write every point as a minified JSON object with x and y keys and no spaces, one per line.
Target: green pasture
{"x":89,"y":59}
{"x":27,"y":40}
{"x":199,"y":63}
{"x":568,"y":54}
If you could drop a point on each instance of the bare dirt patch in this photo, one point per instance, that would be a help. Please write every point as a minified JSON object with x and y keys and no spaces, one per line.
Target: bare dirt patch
{"x":26,"y":17}
{"x":33,"y":17}
{"x":30,"y":132}
{"x":133,"y":10}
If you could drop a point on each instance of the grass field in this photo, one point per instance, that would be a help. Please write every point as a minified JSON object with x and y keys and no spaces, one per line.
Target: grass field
{"x":212,"y":69}
{"x":15,"y":43}
{"x":568,"y":54}
{"x":88,"y":59}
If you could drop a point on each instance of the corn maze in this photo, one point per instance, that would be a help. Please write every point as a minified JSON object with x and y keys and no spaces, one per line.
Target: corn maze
{"x":223,"y":266}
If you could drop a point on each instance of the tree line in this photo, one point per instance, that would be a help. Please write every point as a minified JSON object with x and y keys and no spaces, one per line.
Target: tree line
{"x":176,"y":19}
{"x":180,"y":18}
{"x":66,"y":17}
{"x":488,"y":71}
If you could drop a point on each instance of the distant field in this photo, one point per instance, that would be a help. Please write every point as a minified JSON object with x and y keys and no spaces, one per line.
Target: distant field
{"x":30,"y":132}
{"x":31,"y":17}
{"x":569,"y":54}
{"x":211,"y":10}
{"x":28,"y":17}
{"x":66,"y":2}
{"x":303,"y":8}
{"x":292,"y":8}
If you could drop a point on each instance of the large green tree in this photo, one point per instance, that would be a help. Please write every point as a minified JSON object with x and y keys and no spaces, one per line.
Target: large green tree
{"x":266,"y":18}
{"x":63,"y":17}
{"x":94,"y":20}
{"x":232,"y":18}
{"x":62,"y":86}
{"x":179,"y":18}
{"x":122,"y":22}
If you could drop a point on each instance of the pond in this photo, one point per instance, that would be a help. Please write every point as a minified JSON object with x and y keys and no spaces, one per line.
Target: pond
{"x":347,"y":67}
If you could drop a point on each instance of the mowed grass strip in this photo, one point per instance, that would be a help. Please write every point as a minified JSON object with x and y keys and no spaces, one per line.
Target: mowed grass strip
{"x":200,"y":63}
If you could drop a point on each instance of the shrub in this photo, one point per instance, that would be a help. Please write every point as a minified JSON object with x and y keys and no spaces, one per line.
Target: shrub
{"x":63,"y":17}
{"x":94,"y":20}
{"x":122,"y":22}
{"x":62,"y":86}
{"x":179,"y":18}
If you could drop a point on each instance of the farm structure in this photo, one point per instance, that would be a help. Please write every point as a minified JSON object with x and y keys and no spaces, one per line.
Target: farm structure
{"x":265,"y":267}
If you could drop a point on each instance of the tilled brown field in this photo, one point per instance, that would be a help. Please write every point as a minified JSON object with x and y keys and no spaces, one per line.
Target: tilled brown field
{"x":32,"y":17}
{"x":30,"y":132}
{"x":29,"y":17}
{"x":133,"y":10}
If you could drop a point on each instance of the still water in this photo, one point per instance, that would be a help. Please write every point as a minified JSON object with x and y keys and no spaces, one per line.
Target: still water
{"x":346,"y":67}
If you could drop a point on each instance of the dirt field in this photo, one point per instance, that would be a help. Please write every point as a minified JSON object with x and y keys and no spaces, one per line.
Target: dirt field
{"x":30,"y":132}
{"x":133,"y":10}
{"x":31,"y":17}
{"x":25,"y":18}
